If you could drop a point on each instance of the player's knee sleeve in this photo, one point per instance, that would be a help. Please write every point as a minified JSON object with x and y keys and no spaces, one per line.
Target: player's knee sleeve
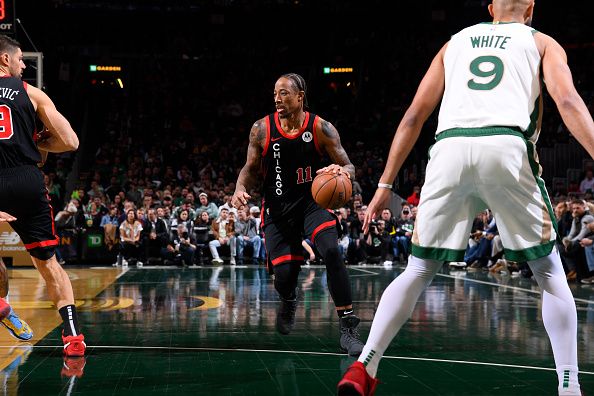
{"x":43,"y":253}
{"x":338,"y":278}
{"x":327,"y":246}
{"x":285,"y":278}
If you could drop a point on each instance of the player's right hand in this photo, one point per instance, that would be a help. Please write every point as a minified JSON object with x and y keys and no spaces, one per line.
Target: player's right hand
{"x":5,"y":217}
{"x":239,"y":199}
{"x":377,"y":204}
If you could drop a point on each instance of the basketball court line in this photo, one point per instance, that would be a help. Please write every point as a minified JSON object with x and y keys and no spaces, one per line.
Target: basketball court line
{"x":311,"y":353}
{"x":538,"y":292}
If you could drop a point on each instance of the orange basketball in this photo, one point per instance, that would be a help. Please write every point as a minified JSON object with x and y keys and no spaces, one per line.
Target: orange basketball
{"x":331,"y":191}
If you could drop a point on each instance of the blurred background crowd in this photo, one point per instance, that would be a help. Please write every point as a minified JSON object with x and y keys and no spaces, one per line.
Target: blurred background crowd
{"x":163,"y":138}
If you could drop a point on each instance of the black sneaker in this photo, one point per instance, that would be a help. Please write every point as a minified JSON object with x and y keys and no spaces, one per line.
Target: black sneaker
{"x":349,"y":335}
{"x":285,"y":316}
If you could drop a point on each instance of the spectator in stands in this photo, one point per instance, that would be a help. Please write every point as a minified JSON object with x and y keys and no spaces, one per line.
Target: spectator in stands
{"x":587,"y":184}
{"x":119,"y":203}
{"x":402,"y":238}
{"x":479,"y":246}
{"x":130,"y":238}
{"x":357,"y":253}
{"x":377,"y":243}
{"x":343,"y":232}
{"x":114,"y":188}
{"x":109,"y":223}
{"x":586,"y":273}
{"x":147,"y":202}
{"x":202,"y":234}
{"x":133,"y":194}
{"x":182,"y":218}
{"x":415,"y":197}
{"x":209,"y":207}
{"x":96,"y":190}
{"x":223,"y":230}
{"x":156,"y":233}
{"x":227,"y":204}
{"x":66,"y":218}
{"x":246,"y":233}
{"x":254,"y":213}
{"x":187,"y":206}
{"x":572,"y":251}
{"x":181,"y":248}
{"x":54,"y":190}
{"x":309,"y":254}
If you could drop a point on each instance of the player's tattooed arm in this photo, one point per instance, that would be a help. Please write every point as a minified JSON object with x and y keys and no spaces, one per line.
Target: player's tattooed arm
{"x":330,"y":142}
{"x":249,"y":174}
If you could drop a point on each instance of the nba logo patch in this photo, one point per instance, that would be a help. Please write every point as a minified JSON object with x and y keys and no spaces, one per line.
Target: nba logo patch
{"x":307,"y":136}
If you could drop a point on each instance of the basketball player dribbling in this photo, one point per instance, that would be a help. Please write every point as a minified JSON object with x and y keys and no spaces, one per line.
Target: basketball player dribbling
{"x":288,"y":147}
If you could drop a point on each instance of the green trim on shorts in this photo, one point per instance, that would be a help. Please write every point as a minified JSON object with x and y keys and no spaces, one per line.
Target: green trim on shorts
{"x":536,"y":171}
{"x":479,"y":132}
{"x":440,"y":254}
{"x":532,"y":253}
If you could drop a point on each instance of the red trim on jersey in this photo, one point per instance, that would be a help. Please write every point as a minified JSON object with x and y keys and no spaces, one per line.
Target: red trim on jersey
{"x":267,"y":137}
{"x":315,"y":135}
{"x":301,"y":130}
{"x":322,"y":227}
{"x":25,"y":85}
{"x":285,"y":258}
{"x":51,"y":242}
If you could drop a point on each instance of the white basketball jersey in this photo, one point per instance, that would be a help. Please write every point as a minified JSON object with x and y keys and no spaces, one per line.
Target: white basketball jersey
{"x":492,"y":79}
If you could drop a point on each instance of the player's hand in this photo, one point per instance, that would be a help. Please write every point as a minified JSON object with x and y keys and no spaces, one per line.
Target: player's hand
{"x":239,"y":199}
{"x":5,"y":217}
{"x":335,"y":169}
{"x":379,"y":202}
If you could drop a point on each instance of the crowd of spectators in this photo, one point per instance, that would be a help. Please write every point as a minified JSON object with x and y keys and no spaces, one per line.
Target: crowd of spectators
{"x":174,"y":139}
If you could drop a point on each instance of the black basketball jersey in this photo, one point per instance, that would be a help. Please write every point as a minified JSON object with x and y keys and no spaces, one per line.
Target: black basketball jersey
{"x":17,"y":125}
{"x":290,"y":164}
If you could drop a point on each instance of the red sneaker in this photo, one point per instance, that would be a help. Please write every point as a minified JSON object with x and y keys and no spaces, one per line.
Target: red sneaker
{"x":74,"y":345}
{"x":356,"y":382}
{"x":73,"y":366}
{"x":4,"y":309}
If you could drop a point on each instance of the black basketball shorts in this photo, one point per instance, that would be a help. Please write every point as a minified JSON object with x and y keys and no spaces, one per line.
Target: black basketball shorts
{"x":23,"y":195}
{"x":283,"y":234}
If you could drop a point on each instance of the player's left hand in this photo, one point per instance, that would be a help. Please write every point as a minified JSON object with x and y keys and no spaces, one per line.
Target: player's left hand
{"x":335,"y":169}
{"x":5,"y":217}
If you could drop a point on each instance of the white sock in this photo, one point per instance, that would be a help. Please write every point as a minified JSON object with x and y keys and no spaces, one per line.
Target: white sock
{"x":558,"y":314}
{"x":568,"y":380}
{"x":395,"y":308}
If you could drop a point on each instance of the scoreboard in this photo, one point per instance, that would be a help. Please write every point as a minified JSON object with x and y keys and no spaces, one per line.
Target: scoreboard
{"x":7,"y":17}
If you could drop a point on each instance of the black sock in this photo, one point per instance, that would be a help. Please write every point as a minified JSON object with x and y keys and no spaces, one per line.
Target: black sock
{"x":70,"y":319}
{"x":344,"y":312}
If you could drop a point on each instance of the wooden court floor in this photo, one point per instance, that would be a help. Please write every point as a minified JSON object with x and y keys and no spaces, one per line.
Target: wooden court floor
{"x":210,"y":331}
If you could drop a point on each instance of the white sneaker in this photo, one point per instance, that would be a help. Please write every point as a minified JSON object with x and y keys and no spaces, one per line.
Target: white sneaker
{"x":572,"y":390}
{"x":217,"y":261}
{"x":232,"y":261}
{"x":139,"y":264}
{"x":387,"y":263}
{"x":457,"y":264}
{"x":124,"y":263}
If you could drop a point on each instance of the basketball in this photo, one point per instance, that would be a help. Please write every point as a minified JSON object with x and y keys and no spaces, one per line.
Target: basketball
{"x":331,"y":191}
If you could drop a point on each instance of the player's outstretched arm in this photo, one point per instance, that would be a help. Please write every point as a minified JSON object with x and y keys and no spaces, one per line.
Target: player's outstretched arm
{"x":426,"y":99}
{"x":330,"y":142}
{"x":559,"y":83}
{"x":248,"y":176}
{"x":62,"y":137}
